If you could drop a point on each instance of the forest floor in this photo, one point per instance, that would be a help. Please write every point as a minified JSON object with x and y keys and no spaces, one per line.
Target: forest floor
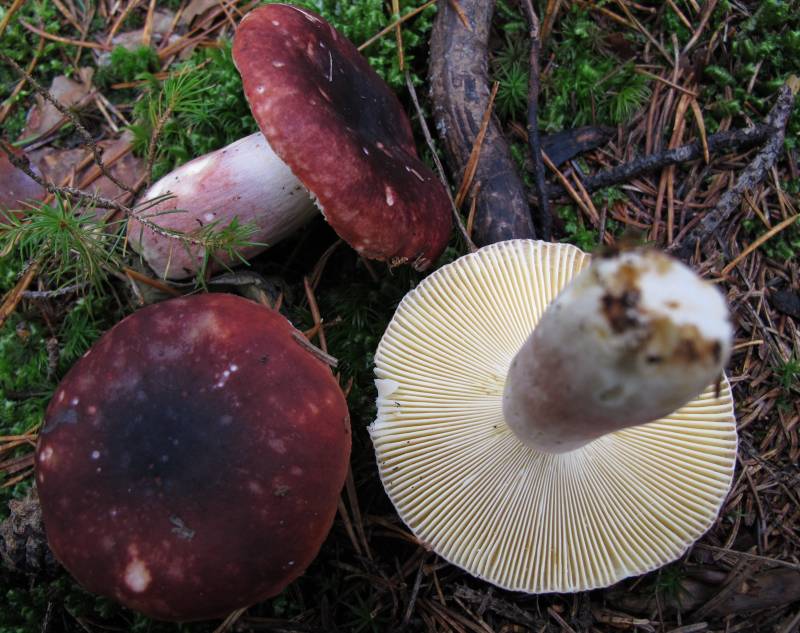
{"x":661,"y":75}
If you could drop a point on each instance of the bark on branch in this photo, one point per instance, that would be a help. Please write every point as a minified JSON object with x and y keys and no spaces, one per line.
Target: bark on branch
{"x":459,"y":77}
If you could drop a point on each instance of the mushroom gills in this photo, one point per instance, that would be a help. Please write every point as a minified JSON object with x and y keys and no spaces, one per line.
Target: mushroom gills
{"x":523,"y":517}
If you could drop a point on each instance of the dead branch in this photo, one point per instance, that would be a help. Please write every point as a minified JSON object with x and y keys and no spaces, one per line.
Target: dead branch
{"x":459,"y":76}
{"x":750,"y":177}
{"x":545,"y":223}
{"x":719,"y":142}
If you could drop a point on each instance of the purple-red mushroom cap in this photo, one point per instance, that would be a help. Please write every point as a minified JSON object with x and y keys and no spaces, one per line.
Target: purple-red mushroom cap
{"x":191,"y":462}
{"x":343,"y":133}
{"x":16,"y":187}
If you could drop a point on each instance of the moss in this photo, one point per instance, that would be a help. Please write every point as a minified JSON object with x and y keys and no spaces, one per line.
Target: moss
{"x":761,"y":50}
{"x":21,"y":45}
{"x":125,"y":66}
{"x":222,"y":115}
{"x":589,"y":84}
{"x":359,"y":20}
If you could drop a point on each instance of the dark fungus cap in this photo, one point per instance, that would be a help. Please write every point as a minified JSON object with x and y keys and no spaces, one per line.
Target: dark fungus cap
{"x":343,"y":133}
{"x":16,"y":186}
{"x":191,"y":462}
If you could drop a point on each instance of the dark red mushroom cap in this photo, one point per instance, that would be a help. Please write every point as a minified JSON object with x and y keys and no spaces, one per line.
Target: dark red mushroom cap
{"x":343,"y":133}
{"x":16,"y":187}
{"x":191,"y":462}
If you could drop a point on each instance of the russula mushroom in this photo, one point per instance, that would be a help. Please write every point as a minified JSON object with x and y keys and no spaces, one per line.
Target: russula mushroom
{"x":328,"y":122}
{"x":191,"y":462}
{"x":538,"y":420}
{"x":16,"y":187}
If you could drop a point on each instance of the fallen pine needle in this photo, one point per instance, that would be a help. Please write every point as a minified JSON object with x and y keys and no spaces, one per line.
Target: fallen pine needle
{"x":765,"y":237}
{"x":395,"y":24}
{"x":472,"y":163}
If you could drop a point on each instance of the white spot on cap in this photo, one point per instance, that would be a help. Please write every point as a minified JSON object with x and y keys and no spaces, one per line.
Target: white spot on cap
{"x":208,"y":217}
{"x":225,"y":375}
{"x":137,"y":576}
{"x":389,"y":196}
{"x":74,"y":402}
{"x":260,"y":90}
{"x":276,"y":23}
{"x":279,"y":446}
{"x":46,"y":454}
{"x":278,"y":64}
{"x":365,"y":150}
{"x":415,"y":172}
{"x":61,"y":396}
{"x":91,"y":410}
{"x":95,"y":454}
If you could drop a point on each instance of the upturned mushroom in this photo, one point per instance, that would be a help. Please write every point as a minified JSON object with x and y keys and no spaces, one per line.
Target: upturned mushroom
{"x":334,"y":135}
{"x":191,"y":462}
{"x":539,"y":422}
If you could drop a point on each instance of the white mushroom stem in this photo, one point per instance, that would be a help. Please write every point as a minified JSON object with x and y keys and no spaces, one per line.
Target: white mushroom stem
{"x":630,"y":340}
{"x":244,"y":180}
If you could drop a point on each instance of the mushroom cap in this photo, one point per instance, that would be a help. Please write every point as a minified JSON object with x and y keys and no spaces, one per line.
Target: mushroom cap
{"x":343,"y":133}
{"x":522,"y":519}
{"x":16,"y":186}
{"x":191,"y":462}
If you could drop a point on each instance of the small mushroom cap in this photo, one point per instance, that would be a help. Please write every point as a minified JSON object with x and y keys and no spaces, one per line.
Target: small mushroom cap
{"x":523,"y":519}
{"x":16,"y":187}
{"x":343,"y":133}
{"x":191,"y":462}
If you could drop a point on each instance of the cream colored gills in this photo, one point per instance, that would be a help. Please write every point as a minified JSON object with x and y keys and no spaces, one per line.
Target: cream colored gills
{"x":521,"y":518}
{"x":630,"y":340}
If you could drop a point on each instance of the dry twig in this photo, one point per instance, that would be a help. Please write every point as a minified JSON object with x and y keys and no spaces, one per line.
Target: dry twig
{"x":750,"y":177}
{"x":545,"y":223}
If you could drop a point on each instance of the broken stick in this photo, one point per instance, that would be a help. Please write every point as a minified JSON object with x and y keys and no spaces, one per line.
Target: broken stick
{"x":459,"y":77}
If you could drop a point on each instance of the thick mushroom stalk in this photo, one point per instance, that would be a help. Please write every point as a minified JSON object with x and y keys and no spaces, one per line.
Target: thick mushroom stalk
{"x":244,"y":180}
{"x":630,"y":340}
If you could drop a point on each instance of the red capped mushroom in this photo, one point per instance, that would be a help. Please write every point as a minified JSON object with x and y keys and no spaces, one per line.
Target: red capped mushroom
{"x":343,"y":133}
{"x":190,"y":463}
{"x":330,"y":124}
{"x":16,"y":187}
